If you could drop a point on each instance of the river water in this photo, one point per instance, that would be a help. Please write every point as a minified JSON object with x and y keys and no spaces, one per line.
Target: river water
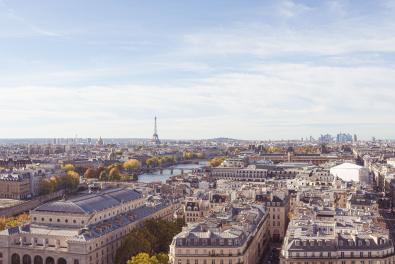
{"x":166,"y":174}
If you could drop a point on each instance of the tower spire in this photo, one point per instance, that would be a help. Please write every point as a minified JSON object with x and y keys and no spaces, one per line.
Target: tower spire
{"x":155,"y":137}
{"x":155,"y":128}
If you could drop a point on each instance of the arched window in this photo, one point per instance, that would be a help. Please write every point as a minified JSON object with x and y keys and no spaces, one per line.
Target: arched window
{"x":38,"y":260}
{"x":62,"y":261}
{"x":49,"y":260}
{"x":26,"y":259}
{"x":15,"y":259}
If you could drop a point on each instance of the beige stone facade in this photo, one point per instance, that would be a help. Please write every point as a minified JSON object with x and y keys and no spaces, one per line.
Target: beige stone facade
{"x":18,"y":188}
{"x":86,"y":230}
{"x":227,"y":243}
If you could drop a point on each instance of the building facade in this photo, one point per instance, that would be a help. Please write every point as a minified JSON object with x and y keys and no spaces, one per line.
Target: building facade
{"x":15,"y":187}
{"x":239,"y":236}
{"x":309,"y":242}
{"x":85,"y":230}
{"x":249,"y":173}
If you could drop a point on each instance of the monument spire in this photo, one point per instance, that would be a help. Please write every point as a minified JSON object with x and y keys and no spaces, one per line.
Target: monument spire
{"x":155,"y":137}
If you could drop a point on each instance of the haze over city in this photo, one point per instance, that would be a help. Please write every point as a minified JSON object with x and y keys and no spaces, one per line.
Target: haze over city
{"x":247,"y":70}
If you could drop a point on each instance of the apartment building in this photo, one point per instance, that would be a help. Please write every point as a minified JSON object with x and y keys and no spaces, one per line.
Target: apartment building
{"x":14,"y":186}
{"x":277,"y":204}
{"x":239,"y":235}
{"x":334,"y":242}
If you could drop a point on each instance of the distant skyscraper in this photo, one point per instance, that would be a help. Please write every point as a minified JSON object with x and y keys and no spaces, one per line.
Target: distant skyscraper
{"x":343,"y":138}
{"x":155,"y":137}
{"x":325,"y":138}
{"x":355,"y":138}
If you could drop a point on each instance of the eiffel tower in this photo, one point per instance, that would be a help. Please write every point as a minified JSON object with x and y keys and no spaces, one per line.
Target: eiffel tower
{"x":155,"y":138}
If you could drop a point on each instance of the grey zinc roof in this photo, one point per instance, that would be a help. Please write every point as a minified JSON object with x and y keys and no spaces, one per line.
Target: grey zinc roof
{"x":90,"y":203}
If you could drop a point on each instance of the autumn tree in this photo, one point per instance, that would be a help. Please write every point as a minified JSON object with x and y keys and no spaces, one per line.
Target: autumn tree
{"x":153,"y":237}
{"x":187,"y":155}
{"x":114,"y":174}
{"x":91,"y":173}
{"x":215,"y":162}
{"x":7,"y":222}
{"x":151,"y":162}
{"x":45,"y":187}
{"x":71,"y":181}
{"x":131,"y":164}
{"x":69,"y":167}
{"x":143,"y":258}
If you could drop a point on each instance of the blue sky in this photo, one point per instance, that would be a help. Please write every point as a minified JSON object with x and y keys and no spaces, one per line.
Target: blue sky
{"x":243,"y":69}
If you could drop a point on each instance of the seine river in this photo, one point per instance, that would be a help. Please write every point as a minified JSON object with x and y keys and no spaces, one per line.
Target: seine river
{"x":157,"y":176}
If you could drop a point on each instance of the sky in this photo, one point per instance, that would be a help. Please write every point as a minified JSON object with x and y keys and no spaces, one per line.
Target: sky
{"x":260,"y":70}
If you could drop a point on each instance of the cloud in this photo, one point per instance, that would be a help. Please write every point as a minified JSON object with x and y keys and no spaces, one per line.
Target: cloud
{"x":313,"y":70}
{"x":266,"y":102}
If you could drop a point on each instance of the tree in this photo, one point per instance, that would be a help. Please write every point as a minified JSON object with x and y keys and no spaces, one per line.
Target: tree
{"x":45,"y":187}
{"x":131,"y":164}
{"x":187,"y":155}
{"x":54,"y":182}
{"x":91,"y":173}
{"x":114,"y":174}
{"x":69,"y":167}
{"x":152,"y":162}
{"x":71,"y":181}
{"x":143,"y":258}
{"x":153,"y":237}
{"x":7,"y":222}
{"x":215,"y":162}
{"x":163,"y":258}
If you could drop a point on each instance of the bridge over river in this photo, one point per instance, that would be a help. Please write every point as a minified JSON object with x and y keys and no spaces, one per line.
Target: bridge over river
{"x":164,"y":174}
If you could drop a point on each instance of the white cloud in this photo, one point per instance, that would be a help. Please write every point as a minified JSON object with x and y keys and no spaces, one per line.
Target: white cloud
{"x":247,"y":80}
{"x":268,"y":102}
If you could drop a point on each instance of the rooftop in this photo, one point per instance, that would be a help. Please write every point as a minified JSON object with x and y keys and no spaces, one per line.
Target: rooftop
{"x":90,"y":203}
